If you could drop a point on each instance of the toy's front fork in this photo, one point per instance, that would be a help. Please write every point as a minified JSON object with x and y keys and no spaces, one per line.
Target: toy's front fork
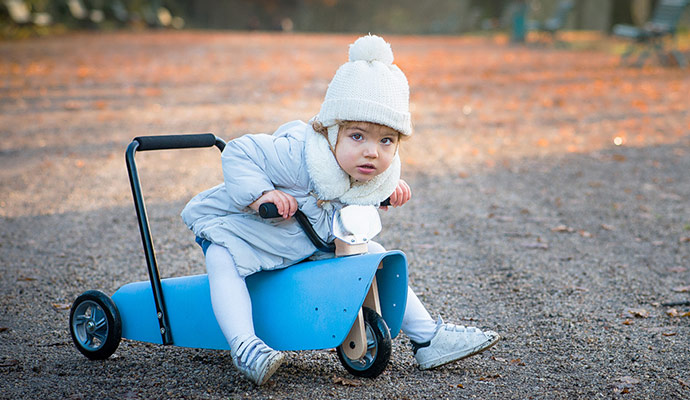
{"x":355,"y":344}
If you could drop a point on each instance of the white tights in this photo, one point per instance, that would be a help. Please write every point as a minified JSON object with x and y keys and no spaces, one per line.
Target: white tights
{"x":232,"y":305}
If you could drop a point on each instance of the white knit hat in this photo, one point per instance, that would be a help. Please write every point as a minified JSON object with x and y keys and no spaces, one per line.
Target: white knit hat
{"x":368,"y":88}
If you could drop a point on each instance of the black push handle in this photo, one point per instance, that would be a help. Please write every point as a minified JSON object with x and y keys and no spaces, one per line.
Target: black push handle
{"x":269,"y":210}
{"x":165,"y":142}
{"x":159,"y":143}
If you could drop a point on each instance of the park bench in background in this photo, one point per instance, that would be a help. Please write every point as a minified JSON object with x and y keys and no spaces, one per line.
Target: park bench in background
{"x":654,"y":34}
{"x":20,"y":13}
{"x":548,"y":29}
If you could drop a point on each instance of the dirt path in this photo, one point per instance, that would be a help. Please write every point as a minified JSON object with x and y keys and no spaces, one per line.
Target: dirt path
{"x":526,"y":218}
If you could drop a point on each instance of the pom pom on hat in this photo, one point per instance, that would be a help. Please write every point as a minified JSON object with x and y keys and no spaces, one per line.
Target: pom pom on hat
{"x":368,"y":88}
{"x":371,"y":48}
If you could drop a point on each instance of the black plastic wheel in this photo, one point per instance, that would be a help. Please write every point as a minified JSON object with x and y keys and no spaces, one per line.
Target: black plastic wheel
{"x":379,"y":348}
{"x":95,"y":325}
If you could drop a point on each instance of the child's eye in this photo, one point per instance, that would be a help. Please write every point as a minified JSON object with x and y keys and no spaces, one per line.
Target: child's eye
{"x":356,"y":136}
{"x":387,"y":141}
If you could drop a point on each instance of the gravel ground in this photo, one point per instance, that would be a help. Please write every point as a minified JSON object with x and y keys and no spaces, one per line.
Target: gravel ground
{"x":526,"y":218}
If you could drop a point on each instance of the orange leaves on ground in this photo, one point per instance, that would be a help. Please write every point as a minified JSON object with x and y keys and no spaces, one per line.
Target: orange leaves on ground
{"x":638,"y":312}
{"x":640,"y":105}
{"x":673,"y":313}
{"x":490,"y":100}
{"x":61,"y":306}
{"x":625,"y":384}
{"x":563,"y":228}
{"x":345,"y":381}
{"x":83,"y":71}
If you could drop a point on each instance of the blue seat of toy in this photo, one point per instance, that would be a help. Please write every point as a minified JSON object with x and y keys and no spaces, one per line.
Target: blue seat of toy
{"x":308,"y":306}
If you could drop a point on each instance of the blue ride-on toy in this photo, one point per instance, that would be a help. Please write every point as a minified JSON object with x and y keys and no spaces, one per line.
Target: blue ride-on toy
{"x":354,"y":303}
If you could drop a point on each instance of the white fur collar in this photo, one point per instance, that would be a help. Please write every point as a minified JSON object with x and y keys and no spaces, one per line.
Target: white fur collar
{"x":332,"y":183}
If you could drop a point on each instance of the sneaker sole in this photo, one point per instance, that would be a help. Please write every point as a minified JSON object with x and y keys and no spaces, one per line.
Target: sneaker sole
{"x":461,"y":354}
{"x":275,"y":363}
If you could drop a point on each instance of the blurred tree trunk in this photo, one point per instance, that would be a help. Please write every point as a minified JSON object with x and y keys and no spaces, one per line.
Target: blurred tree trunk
{"x":593,"y":14}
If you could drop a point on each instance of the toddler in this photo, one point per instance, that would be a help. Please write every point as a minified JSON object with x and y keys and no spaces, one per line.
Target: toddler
{"x":346,"y":155}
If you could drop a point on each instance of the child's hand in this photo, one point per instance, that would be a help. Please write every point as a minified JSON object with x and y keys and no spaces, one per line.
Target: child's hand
{"x":401,"y":195}
{"x":286,"y":204}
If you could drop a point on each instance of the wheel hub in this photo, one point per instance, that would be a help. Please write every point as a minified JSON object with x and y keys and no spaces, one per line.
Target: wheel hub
{"x":90,"y":327}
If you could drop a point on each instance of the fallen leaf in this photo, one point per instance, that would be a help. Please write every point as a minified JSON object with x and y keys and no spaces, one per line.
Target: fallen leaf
{"x":489,"y":378}
{"x":518,"y":362}
{"x":346,"y":382}
{"x":662,"y":329}
{"x":536,"y":245}
{"x":608,"y":227}
{"x":684,"y":239}
{"x":669,"y":333}
{"x":627,"y":322}
{"x":460,"y":386}
{"x":61,"y":306}
{"x":681,"y":289}
{"x":563,"y":228}
{"x":627,"y":381}
{"x":73,"y":105}
{"x":639,"y":312}
{"x":672,"y":312}
{"x":26,"y":278}
{"x":584,"y":234}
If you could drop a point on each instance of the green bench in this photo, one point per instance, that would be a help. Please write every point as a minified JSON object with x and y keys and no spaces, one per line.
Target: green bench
{"x":549,"y":28}
{"x":654,"y":35}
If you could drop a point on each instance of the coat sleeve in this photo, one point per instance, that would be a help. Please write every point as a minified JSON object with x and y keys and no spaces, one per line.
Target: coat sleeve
{"x":255,"y":164}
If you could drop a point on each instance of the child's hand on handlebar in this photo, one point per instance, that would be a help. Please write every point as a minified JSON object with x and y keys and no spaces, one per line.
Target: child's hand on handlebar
{"x":401,"y":195}
{"x":286,"y":204}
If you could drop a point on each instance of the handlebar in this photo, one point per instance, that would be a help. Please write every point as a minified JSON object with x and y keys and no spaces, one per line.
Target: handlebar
{"x":165,"y":142}
{"x":269,"y":210}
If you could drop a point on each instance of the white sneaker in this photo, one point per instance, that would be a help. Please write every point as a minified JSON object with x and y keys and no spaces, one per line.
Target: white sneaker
{"x":254,"y":359}
{"x":451,"y":343}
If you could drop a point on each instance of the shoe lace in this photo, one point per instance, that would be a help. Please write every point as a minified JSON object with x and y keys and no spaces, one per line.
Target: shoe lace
{"x":250,"y":351}
{"x":459,"y":328}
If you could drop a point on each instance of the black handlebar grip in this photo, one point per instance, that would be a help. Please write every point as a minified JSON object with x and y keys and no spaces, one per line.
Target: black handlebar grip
{"x":385,"y":203}
{"x":165,"y":142}
{"x":268,"y":210}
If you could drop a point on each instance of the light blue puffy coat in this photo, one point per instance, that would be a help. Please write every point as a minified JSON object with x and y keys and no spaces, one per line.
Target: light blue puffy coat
{"x":255,"y":164}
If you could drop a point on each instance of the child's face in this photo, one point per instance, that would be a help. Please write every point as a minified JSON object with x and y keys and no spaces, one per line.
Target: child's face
{"x":364,"y":150}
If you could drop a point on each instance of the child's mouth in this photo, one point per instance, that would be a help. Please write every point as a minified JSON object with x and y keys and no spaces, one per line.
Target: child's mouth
{"x":366,"y":168}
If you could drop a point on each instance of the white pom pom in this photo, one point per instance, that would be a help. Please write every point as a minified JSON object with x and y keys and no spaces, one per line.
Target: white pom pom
{"x":371,"y":48}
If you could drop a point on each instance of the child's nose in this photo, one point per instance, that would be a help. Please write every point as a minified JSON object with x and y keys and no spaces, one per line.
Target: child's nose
{"x":371,"y":151}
